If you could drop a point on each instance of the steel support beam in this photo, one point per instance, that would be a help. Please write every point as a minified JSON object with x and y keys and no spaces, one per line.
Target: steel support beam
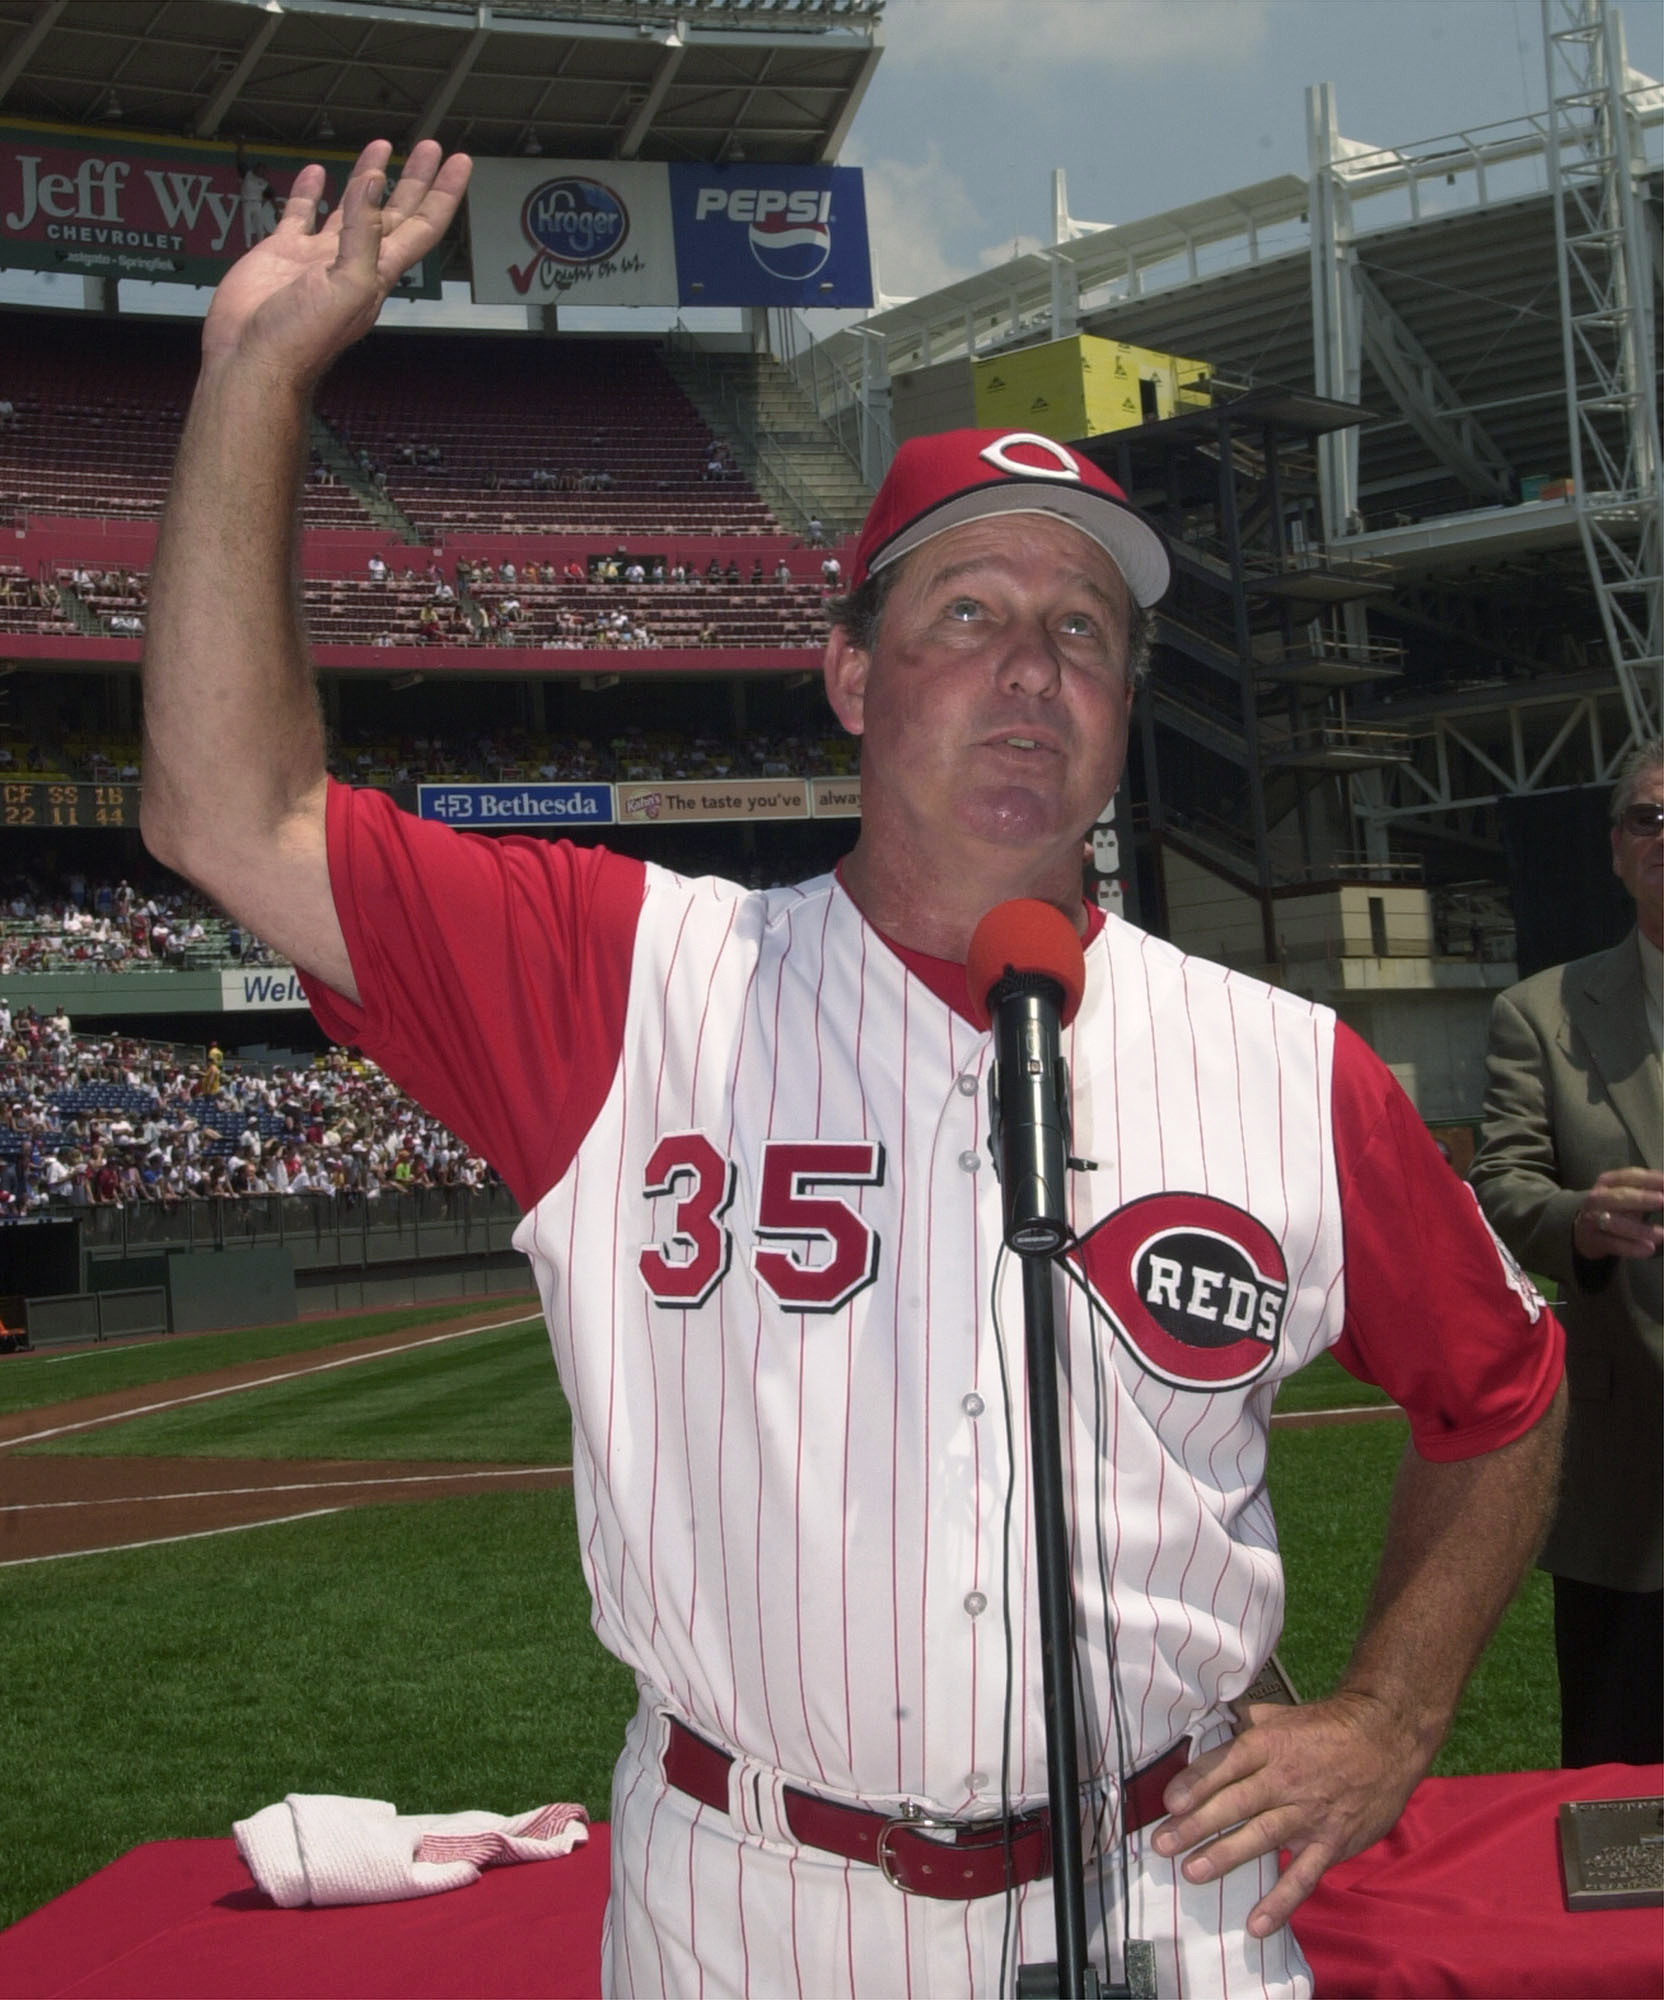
{"x":1336,"y":341}
{"x":1468,"y":766}
{"x":664,"y":76}
{"x":1606,"y":315}
{"x":46,"y":18}
{"x":209,"y":119}
{"x":838,"y":131}
{"x":1431,"y":406}
{"x":444,"y":95}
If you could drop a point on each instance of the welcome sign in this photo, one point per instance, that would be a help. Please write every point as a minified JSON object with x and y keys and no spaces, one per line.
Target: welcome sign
{"x":273,"y":989}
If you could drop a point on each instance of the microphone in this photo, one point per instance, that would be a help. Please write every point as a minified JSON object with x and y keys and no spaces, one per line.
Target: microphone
{"x":1027,"y":973}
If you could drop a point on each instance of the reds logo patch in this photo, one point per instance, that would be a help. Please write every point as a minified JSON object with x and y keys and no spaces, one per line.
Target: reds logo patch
{"x":1519,"y":1282}
{"x":1194,"y":1287}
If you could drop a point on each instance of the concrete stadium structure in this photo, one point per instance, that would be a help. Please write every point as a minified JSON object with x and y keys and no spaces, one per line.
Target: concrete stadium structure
{"x":1418,"y":622}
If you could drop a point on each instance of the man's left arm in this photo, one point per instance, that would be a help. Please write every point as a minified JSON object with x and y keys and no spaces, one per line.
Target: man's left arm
{"x":1327,"y":1779}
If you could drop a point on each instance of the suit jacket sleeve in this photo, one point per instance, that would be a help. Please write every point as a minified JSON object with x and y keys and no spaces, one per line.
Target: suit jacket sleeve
{"x":1517,"y":1172}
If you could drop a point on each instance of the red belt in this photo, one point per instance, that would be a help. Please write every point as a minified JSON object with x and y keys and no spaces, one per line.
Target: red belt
{"x":949,"y":1859}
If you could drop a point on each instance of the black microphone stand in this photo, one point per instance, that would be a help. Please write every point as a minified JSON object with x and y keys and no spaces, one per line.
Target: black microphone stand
{"x":1030,"y":1130}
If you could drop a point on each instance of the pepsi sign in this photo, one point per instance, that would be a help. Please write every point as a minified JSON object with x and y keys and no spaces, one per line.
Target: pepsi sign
{"x":770,"y":236}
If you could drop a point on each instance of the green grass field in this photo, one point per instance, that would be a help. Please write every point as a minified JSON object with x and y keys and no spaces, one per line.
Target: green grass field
{"x":30,"y":1381}
{"x":491,"y":1398}
{"x":1324,"y":1384}
{"x":436,"y":1654}
{"x":439,"y":1654}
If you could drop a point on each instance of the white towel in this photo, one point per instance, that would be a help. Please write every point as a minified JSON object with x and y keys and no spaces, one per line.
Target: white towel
{"x":316,"y":1848}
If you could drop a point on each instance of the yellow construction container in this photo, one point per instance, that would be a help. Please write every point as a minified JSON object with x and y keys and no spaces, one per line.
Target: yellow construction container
{"x":1082,"y":386}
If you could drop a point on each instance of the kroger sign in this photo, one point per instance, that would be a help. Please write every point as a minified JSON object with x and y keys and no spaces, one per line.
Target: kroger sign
{"x":575,"y":220}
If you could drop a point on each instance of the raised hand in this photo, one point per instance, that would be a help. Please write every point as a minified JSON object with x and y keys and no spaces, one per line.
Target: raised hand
{"x":307,"y":291}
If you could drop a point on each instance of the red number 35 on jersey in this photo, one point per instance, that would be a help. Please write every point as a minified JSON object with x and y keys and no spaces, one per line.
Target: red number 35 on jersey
{"x":815,"y":1251}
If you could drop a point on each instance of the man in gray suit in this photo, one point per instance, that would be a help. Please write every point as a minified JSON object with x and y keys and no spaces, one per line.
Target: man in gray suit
{"x":1570,"y":1171}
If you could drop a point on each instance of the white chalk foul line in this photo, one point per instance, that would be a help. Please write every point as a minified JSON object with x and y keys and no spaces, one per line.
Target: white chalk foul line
{"x":159,"y":1541}
{"x":264,"y":1381}
{"x":1317,"y":1418}
{"x":295,"y":1486}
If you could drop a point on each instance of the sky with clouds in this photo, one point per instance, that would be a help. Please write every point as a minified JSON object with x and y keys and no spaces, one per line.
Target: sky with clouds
{"x":1151,"y":103}
{"x":1146,"y":104}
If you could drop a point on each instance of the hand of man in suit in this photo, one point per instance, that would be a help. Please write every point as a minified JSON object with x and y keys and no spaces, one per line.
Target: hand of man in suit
{"x":1613,"y":1220}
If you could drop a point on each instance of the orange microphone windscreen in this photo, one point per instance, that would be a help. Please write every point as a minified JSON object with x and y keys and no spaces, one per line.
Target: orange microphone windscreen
{"x":1025,"y":936}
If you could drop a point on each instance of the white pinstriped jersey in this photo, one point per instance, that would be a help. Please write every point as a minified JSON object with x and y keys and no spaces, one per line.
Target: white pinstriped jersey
{"x":793,"y":1519}
{"x":751,"y":1138}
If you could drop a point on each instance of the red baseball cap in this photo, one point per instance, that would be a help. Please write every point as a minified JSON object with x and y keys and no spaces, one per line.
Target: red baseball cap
{"x":935,"y":483}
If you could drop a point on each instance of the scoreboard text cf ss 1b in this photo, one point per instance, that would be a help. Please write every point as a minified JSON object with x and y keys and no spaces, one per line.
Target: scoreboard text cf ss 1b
{"x":42,"y":803}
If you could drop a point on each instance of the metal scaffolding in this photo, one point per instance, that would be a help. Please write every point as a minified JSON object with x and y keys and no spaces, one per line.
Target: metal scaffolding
{"x":1606,"y":305}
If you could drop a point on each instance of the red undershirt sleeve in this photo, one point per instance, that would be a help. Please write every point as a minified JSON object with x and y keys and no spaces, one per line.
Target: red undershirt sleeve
{"x":1437,"y":1312}
{"x":494,"y":974}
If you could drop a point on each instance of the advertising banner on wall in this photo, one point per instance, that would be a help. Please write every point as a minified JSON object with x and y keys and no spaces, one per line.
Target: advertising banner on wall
{"x":273,"y":987}
{"x":631,"y":233}
{"x":770,"y":236}
{"x":835,"y":798}
{"x":721,"y":798}
{"x":593,"y":232}
{"x":95,"y":204}
{"x":493,"y":807}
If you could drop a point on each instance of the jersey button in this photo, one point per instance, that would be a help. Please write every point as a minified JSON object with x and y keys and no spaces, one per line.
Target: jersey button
{"x":970,"y":1159}
{"x":972,"y":1405}
{"x":975,"y":1603}
{"x":967,"y":1086}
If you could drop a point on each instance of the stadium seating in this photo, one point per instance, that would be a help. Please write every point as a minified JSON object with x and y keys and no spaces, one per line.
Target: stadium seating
{"x":27,"y":604}
{"x":97,"y":419}
{"x":509,"y":435}
{"x":527,"y":437}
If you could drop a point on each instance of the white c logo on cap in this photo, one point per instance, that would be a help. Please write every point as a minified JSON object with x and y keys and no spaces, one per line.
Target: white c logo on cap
{"x":1063,"y":465}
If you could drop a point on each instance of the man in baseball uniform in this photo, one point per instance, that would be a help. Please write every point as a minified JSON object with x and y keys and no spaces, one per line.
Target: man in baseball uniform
{"x":749,"y":1132}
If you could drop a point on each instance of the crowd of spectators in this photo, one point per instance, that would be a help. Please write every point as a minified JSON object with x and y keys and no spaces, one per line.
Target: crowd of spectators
{"x":487,"y":756}
{"x":552,"y":606}
{"x":507,"y":756}
{"x":99,"y":1122}
{"x":480,"y":602}
{"x":117,"y":598}
{"x":72,"y":925}
{"x":36,"y":593}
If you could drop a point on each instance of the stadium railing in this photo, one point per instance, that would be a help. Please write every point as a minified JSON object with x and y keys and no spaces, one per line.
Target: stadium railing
{"x":339,"y":1252}
{"x":320,"y":1230}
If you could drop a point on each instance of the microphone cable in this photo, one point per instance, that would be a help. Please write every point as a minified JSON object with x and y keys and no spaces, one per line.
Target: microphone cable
{"x":1099,"y":1751}
{"x":1097,"y":1323}
{"x":1008,"y":1937}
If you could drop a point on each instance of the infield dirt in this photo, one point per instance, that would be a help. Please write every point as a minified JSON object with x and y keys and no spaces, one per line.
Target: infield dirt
{"x":71,"y":1505}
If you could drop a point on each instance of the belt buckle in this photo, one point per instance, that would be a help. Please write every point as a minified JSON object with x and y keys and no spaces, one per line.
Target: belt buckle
{"x":910,"y":1819}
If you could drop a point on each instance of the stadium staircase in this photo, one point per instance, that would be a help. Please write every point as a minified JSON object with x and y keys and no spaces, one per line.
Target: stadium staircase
{"x":79,"y":613}
{"x":791,"y":457}
{"x":334,"y":457}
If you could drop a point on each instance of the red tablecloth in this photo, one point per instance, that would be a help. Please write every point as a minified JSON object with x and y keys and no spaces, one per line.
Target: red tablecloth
{"x":1463,"y":1898}
{"x":179,"y":1920}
